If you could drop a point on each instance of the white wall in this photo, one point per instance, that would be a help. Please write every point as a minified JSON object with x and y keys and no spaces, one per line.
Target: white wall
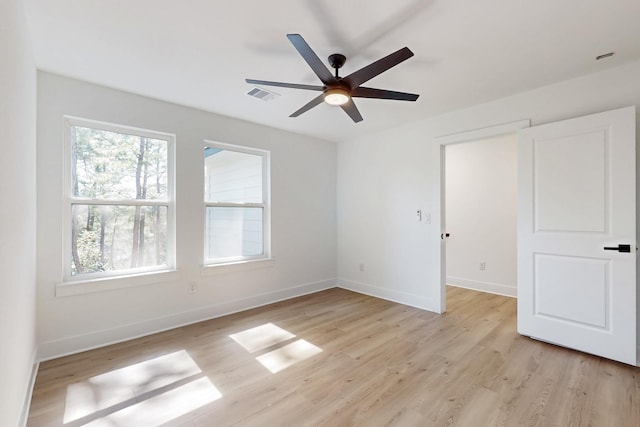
{"x":384,"y":178}
{"x":481,"y":214}
{"x":17,"y":213}
{"x":303,"y":195}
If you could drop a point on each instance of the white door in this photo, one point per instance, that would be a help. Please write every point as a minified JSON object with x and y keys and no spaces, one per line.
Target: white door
{"x":576,"y":208}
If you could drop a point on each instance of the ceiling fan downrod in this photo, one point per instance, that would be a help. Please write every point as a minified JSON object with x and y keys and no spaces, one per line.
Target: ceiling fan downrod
{"x":336,"y":61}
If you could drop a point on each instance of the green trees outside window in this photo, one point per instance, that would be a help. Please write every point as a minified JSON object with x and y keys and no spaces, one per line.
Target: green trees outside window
{"x":120,"y":194}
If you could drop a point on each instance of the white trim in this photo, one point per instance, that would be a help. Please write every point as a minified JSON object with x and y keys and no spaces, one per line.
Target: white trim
{"x":456,"y":138}
{"x":115,"y":202}
{"x":102,"y":284}
{"x":443,"y":229}
{"x":122,"y":274}
{"x":483,"y":133}
{"x":28,"y":392}
{"x":235,"y":147}
{"x":79,"y":343}
{"x":113,"y":127}
{"x":492,"y":288}
{"x":233,"y":205}
{"x":413,"y":300}
{"x":69,"y":200}
{"x":235,"y":267}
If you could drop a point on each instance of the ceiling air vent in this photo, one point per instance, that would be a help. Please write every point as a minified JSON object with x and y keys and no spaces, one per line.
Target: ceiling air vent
{"x":262,"y":94}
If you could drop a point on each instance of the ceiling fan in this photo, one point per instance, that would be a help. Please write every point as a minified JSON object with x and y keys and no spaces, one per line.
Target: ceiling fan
{"x":338,"y":90}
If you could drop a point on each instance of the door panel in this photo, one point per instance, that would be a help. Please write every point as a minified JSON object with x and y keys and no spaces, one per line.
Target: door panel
{"x":584,"y":281}
{"x":576,"y":184}
{"x":570,"y":177}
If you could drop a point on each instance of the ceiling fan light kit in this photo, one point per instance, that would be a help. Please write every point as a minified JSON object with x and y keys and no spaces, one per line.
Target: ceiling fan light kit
{"x":338,"y":90}
{"x":336,"y":96}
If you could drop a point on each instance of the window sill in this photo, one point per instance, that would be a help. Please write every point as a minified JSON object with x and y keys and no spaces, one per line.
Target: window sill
{"x":238,"y":266}
{"x":102,"y":284}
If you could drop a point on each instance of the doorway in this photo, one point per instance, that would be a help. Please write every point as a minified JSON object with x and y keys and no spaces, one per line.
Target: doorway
{"x":482,"y":230}
{"x":481,"y":208}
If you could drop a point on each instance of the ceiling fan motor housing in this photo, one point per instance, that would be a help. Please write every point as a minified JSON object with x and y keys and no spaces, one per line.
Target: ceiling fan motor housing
{"x":337,"y":60}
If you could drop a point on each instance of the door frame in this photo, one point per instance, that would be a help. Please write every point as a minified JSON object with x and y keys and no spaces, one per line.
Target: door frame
{"x":457,"y":138}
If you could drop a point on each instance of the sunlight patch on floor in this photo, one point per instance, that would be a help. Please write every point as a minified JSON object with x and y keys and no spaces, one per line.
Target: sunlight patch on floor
{"x":164,"y":407}
{"x":117,"y":389}
{"x":277,"y":360}
{"x":261,"y":337}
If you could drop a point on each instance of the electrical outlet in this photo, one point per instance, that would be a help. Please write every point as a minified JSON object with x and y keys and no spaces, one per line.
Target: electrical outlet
{"x":193,"y":287}
{"x":483,"y":265}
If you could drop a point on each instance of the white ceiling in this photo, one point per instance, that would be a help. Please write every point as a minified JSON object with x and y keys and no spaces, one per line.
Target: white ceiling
{"x":198,"y":52}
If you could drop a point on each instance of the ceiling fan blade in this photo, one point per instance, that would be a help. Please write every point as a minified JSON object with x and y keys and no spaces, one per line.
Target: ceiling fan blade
{"x":351,"y":109}
{"x":367,"y":92}
{"x":280,"y":84}
{"x":312,"y":59}
{"x":309,"y":105}
{"x":368,"y":72}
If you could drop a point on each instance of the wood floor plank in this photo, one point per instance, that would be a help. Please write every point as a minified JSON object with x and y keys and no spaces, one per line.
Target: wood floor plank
{"x":343,"y":359}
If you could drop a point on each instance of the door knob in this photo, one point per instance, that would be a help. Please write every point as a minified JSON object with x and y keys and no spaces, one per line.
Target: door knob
{"x":443,"y":235}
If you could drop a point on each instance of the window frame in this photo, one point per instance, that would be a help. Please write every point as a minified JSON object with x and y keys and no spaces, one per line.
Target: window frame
{"x":69,"y":200}
{"x":265,"y":205}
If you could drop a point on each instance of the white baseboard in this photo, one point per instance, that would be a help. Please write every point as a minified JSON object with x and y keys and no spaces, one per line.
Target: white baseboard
{"x":26,"y":404}
{"x":78,"y":343}
{"x":493,"y":288}
{"x":413,"y":300}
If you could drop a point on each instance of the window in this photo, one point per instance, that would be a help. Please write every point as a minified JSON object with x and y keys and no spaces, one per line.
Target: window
{"x":236,"y":196}
{"x":120,"y":205}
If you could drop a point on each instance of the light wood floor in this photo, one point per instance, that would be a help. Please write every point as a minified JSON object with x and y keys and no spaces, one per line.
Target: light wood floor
{"x":375,"y":363}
